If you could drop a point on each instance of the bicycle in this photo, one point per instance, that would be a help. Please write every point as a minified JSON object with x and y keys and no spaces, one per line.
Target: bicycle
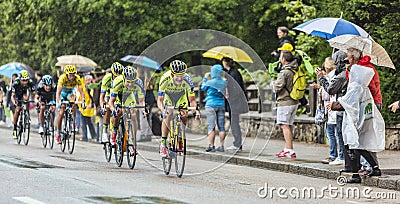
{"x":68,"y":132}
{"x":123,"y":135}
{"x":48,"y":127}
{"x":107,"y":146}
{"x":24,"y":122}
{"x":176,"y":141}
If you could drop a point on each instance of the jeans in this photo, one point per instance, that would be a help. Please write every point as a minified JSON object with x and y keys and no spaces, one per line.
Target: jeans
{"x":87,"y":123}
{"x":333,"y":139}
{"x":215,"y":116}
{"x":345,"y":149}
{"x":78,"y":119}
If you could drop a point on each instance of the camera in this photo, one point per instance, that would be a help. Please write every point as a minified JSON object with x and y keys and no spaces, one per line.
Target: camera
{"x":345,"y":61}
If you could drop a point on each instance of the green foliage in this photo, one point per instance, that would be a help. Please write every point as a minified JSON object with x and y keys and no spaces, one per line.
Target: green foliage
{"x":36,"y":32}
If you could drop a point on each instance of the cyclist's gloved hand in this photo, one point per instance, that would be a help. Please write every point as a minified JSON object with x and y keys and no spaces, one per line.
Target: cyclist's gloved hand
{"x":102,"y":111}
{"x":114,"y":113}
{"x":163,"y":114}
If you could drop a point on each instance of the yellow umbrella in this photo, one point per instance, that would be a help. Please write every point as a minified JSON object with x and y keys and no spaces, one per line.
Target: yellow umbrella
{"x":76,"y":60}
{"x":378,"y":54}
{"x":234,"y":53}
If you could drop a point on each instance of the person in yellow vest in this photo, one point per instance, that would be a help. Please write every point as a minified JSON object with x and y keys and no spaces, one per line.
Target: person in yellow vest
{"x":89,"y":112}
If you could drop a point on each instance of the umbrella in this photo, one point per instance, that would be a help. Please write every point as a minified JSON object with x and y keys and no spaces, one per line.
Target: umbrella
{"x":331,"y":27}
{"x":234,"y":53}
{"x":142,"y":61}
{"x":14,"y":68}
{"x":76,"y":60}
{"x":378,"y":54}
{"x":84,"y":69}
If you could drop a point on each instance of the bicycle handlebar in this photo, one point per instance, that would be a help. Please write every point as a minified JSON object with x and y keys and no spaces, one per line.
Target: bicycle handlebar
{"x":181,"y":108}
{"x":26,"y":101}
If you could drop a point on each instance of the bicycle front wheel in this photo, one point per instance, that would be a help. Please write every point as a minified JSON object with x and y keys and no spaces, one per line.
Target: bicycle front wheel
{"x":131,"y":146}
{"x":107,"y":151}
{"x":44,"y":134}
{"x":50,"y":131}
{"x":180,"y":149}
{"x":71,"y":136}
{"x":119,"y":152}
{"x":26,"y":128}
{"x":64,"y":135}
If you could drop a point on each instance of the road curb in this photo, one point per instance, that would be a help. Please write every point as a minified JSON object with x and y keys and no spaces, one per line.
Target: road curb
{"x":384,"y":182}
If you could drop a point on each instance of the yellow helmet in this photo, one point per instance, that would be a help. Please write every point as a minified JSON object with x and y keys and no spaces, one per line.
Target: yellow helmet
{"x":130,"y":73}
{"x":117,"y":68}
{"x":23,"y":74}
{"x":178,"y":67}
{"x":70,"y":69}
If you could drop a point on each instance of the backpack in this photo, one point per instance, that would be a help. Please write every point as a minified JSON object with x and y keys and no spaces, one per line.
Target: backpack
{"x":299,"y":85}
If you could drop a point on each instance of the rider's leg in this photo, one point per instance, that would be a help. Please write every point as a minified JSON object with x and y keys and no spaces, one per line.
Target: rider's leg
{"x":134,"y":119}
{"x":164,"y":133}
{"x":16,"y":114}
{"x":57,"y":123}
{"x":114,"y":128}
{"x":41,"y":117}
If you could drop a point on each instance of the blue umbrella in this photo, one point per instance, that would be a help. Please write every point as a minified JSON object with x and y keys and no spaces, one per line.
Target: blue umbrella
{"x":142,"y":61}
{"x":331,"y":27}
{"x":14,"y":68}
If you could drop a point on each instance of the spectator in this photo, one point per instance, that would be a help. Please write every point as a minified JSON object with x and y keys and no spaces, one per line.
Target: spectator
{"x":363,"y":125}
{"x":10,"y":105}
{"x":355,"y":57}
{"x":338,"y":86}
{"x":3,"y":92}
{"x":331,"y":128}
{"x":236,"y":101}
{"x":215,"y":87}
{"x":286,"y":106}
{"x":88,"y":112}
{"x":283,"y":35}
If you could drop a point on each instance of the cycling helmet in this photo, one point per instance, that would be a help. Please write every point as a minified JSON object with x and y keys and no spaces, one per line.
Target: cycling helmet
{"x":70,"y":69}
{"x":24,"y":75}
{"x":178,"y":67}
{"x":47,"y":80}
{"x":130,"y":73}
{"x":117,"y":68}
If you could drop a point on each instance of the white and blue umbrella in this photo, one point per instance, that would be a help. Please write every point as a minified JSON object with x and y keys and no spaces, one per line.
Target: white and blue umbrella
{"x":14,"y":68}
{"x":142,"y":61}
{"x":331,"y":27}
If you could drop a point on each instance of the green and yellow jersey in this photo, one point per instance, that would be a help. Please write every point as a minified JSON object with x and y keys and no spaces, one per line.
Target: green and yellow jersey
{"x":127,"y":96}
{"x":173,"y":94}
{"x":106,"y":84}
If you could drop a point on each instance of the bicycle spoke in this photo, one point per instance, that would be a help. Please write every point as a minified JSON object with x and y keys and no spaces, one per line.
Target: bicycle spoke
{"x":180,"y":149}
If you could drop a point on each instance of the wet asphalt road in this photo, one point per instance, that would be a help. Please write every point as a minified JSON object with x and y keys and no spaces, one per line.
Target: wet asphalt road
{"x":32,"y":174}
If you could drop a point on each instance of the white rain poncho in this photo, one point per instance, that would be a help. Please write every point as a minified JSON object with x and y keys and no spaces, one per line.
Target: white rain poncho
{"x":363,"y":125}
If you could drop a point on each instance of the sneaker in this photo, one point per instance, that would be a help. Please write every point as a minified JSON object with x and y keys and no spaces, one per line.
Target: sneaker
{"x":233,"y":149}
{"x":15,"y":134}
{"x":163,"y":151}
{"x":220,"y":149}
{"x":114,"y":138}
{"x":210,"y":149}
{"x":40,"y":129}
{"x":58,"y":139}
{"x":337,"y":161}
{"x":104,"y":137}
{"x":286,"y":154}
{"x":328,"y":160}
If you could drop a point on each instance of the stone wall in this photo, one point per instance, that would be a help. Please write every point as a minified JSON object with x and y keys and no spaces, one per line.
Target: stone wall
{"x":305,"y":130}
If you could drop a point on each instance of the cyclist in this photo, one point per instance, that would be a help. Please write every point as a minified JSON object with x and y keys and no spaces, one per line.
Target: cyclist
{"x":46,"y":90}
{"x":66,"y":92}
{"x":123,"y":91}
{"x":116,"y":70}
{"x":21,"y":88}
{"x":175,"y":88}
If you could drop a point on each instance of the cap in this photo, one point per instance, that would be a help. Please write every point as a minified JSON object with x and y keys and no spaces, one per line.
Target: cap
{"x":286,"y":46}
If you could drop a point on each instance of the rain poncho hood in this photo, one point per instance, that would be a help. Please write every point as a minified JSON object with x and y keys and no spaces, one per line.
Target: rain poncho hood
{"x":215,"y":88}
{"x":363,"y":125}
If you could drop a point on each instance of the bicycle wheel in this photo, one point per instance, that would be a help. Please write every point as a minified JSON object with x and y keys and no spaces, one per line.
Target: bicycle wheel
{"x":44,"y":134}
{"x":180,"y":149}
{"x":119,"y":152}
{"x":27,"y":128}
{"x":64,"y":134}
{"x":131,"y":146}
{"x":71,"y":136}
{"x":167,"y":161}
{"x":50,"y":131}
{"x":19,"y":128}
{"x":107,"y":151}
